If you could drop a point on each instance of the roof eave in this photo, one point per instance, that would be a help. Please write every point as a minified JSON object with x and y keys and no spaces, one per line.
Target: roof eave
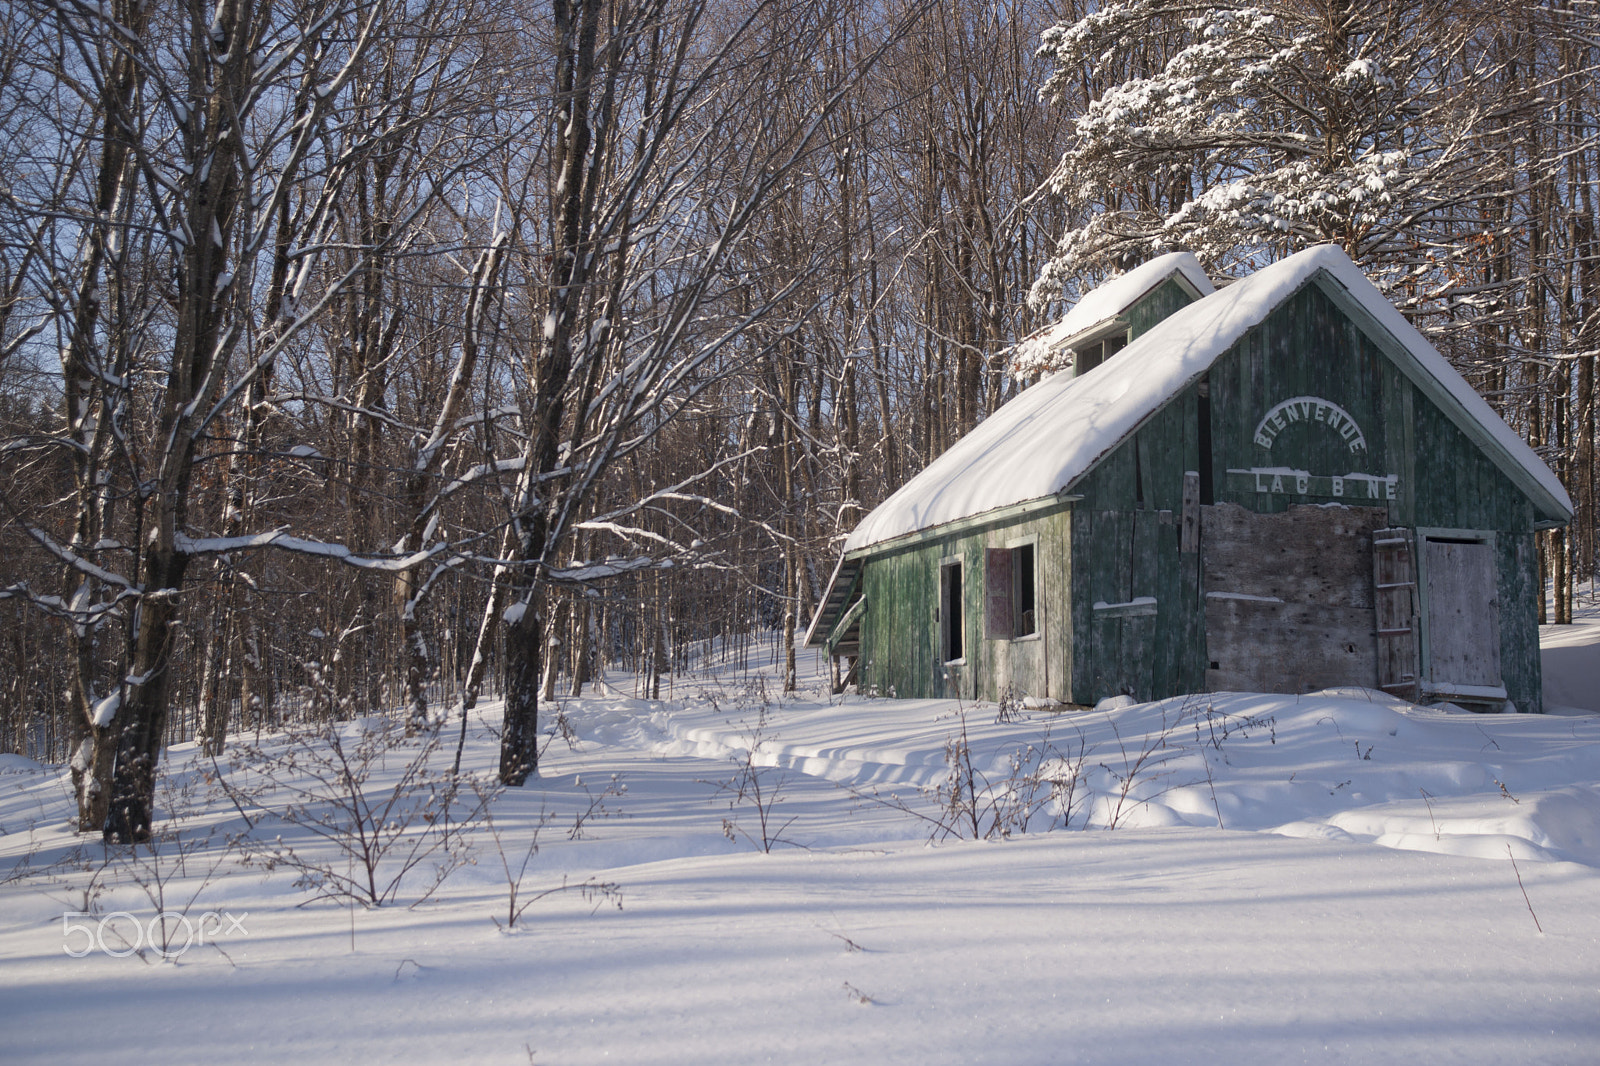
{"x":959,"y":526}
{"x":1109,"y":325}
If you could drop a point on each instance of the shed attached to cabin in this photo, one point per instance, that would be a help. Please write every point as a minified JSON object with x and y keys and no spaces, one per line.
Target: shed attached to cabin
{"x":1279,"y":487}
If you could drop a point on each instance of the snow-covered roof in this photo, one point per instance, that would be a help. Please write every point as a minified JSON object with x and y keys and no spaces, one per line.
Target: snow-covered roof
{"x":1043,"y":441}
{"x":1105,"y":303}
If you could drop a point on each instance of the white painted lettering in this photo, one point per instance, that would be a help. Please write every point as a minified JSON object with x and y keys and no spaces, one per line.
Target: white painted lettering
{"x":1302,"y":483}
{"x":1309,"y":409}
{"x":1338,"y":486}
{"x":1261,"y":486}
{"x":1372,"y":488}
{"x":1277,"y":482}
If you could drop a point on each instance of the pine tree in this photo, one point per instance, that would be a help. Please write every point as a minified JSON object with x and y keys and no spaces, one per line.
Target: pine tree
{"x":1259,"y":130}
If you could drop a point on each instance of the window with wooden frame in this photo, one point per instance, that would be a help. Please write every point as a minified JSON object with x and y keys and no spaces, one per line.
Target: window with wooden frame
{"x":1092,"y":355}
{"x":952,"y":646}
{"x":1010,"y":592}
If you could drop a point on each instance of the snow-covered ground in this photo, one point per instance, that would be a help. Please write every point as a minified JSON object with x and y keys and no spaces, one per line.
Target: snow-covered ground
{"x":1330,"y":878}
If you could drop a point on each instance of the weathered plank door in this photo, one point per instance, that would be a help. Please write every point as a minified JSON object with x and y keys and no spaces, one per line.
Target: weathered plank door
{"x":1288,"y":597}
{"x":1463,"y":605}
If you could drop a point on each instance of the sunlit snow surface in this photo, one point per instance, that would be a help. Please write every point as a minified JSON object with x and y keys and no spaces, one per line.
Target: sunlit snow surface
{"x":1358,"y":904}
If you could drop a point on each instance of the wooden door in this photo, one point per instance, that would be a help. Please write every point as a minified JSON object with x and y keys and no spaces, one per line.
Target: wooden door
{"x":1463,"y":606}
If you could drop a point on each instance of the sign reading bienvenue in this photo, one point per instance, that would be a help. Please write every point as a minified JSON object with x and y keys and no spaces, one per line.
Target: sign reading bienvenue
{"x":1310,"y":409}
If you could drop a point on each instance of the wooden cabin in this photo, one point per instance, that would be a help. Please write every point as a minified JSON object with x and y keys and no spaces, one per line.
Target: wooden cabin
{"x":1279,"y":486}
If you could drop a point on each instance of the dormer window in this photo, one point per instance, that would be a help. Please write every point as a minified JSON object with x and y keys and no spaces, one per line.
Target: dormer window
{"x":1089,"y":356}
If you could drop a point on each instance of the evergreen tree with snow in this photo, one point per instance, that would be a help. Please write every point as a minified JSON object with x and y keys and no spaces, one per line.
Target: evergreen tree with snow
{"x":1244,"y":132}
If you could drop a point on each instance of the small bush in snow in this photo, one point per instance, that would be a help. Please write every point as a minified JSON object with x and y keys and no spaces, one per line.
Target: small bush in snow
{"x":1042,"y":783}
{"x":514,"y":861}
{"x":355,"y":808}
{"x":754,"y":787}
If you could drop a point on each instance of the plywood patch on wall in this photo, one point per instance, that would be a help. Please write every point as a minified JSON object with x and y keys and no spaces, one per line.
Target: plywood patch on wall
{"x":1288,"y":597}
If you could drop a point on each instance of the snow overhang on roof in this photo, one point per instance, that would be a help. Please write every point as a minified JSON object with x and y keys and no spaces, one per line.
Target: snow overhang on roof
{"x":1036,"y":447}
{"x":1102,"y":309}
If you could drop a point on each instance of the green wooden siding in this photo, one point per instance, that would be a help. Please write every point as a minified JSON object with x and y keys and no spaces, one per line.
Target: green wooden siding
{"x":900,"y":639}
{"x":1129,"y":552}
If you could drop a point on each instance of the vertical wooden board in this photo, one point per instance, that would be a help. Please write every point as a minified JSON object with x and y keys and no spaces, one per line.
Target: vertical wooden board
{"x":1406,"y":460}
{"x":866,"y":659}
{"x":932,"y":637}
{"x":1230,"y":395}
{"x":1138,"y":638}
{"x":1192,"y":667}
{"x":1189,"y":515}
{"x":1143,"y":469}
{"x":1463,"y":613}
{"x":1117,"y":567}
{"x":1084,"y":528}
{"x":1139,"y":645}
{"x":1108,"y":571}
{"x":1056,"y":618}
{"x":893,"y":672}
{"x":1519,"y":622}
{"x":890,"y":666}
{"x":1190,"y":414}
{"x":912,"y":642}
{"x":1462,"y":492}
{"x":1396,"y":413}
{"x":1106,"y":657}
{"x":955,"y":678}
{"x":1122,"y":652}
{"x":1160,"y":449}
{"x":1143,"y":560}
{"x":1171,"y":615}
{"x":918,"y":635}
{"x":870,"y":674}
{"x":1179,"y":452}
{"x":972,"y":591}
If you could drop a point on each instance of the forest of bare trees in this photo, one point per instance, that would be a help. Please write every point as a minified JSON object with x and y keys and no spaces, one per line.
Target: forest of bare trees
{"x":372,"y":358}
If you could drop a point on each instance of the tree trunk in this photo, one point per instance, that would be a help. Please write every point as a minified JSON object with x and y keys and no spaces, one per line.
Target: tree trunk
{"x":144,"y":704}
{"x":519,"y":742}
